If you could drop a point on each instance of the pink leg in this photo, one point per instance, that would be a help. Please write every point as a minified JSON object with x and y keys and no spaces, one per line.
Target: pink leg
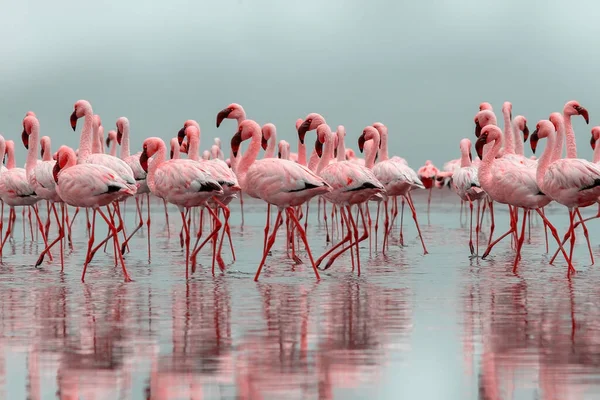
{"x":167,"y":218}
{"x":554,"y":233}
{"x":270,"y":241}
{"x":242,"y":206}
{"x":137,"y":228}
{"x":409,"y":200}
{"x":213,"y":235}
{"x":90,"y":243}
{"x":471,"y":247}
{"x":148,"y":225}
{"x":492,"y":224}
{"x":115,"y":236}
{"x":520,"y":241}
{"x":402,"y":223}
{"x":346,"y":239}
{"x":350,"y":226}
{"x":302,"y":234}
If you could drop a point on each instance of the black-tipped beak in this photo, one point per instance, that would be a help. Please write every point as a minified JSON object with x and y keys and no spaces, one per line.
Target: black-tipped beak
{"x":236,"y":140}
{"x":224,"y":113}
{"x":470,"y":156}
{"x":319,"y":148}
{"x":181,"y":135}
{"x":172,"y":154}
{"x":361,"y":142}
{"x":534,"y":140}
{"x":477,"y":129}
{"x":584,"y":113}
{"x":25,"y":139}
{"x":593,"y":143}
{"x":525,"y":132}
{"x":42,"y":152}
{"x":119,"y":135}
{"x":144,"y":160}
{"x":278,"y":154}
{"x":335,"y":152}
{"x":74,"y":120}
{"x":108,"y":142}
{"x":264,"y":143}
{"x":55,"y":171}
{"x":302,"y":129}
{"x":479,"y":145}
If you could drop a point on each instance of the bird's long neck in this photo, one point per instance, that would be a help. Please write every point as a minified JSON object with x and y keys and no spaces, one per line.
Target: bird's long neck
{"x":97,"y":140}
{"x":10,"y":150}
{"x":313,"y":161}
{"x":175,"y":150}
{"x":509,"y":144}
{"x":125,"y":152}
{"x":113,"y":148}
{"x":159,"y":158}
{"x":85,"y":140}
{"x":248,"y":157}
{"x":518,"y":142}
{"x":270,"y":153}
{"x":47,"y":150}
{"x":546,"y":159}
{"x":194,"y":146}
{"x":597,"y":151}
{"x":327,"y":155}
{"x":485,"y":168}
{"x":372,"y":152}
{"x":570,"y":134}
{"x":341,"y":149}
{"x":301,"y":153}
{"x":32,"y":154}
{"x":383,"y":150}
{"x":465,"y":161}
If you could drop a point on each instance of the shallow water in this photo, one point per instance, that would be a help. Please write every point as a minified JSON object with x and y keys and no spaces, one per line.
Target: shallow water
{"x":440,"y":326}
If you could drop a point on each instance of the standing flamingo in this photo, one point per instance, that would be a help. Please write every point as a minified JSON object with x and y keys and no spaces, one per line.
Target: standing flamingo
{"x":282,"y":183}
{"x":427,"y":174}
{"x":90,"y":186}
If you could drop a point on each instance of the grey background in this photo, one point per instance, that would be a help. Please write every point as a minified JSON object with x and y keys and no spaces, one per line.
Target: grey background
{"x":420,"y":67}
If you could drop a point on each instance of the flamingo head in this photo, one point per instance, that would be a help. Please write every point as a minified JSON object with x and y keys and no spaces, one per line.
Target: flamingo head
{"x":482,"y":119}
{"x":65,"y":156}
{"x":507,"y":108}
{"x":310,"y":123}
{"x":122,"y":123}
{"x":485,"y":106}
{"x":28,"y":124}
{"x":80,"y":108}
{"x":369,"y":133}
{"x":323,"y":131}
{"x":181,"y":134}
{"x":44,"y":142}
{"x":521,"y":124}
{"x":268,"y":130}
{"x":247,"y":129}
{"x":112,"y":135}
{"x":557,"y":120}
{"x":574,"y":108}
{"x":298,"y":123}
{"x":232,"y":111}
{"x":174,"y":143}
{"x":489,"y":133}
{"x":151,"y":146}
{"x":542,"y":129}
{"x":595,"y":136}
{"x":465,"y":147}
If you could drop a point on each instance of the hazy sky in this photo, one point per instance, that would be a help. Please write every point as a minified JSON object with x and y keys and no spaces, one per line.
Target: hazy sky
{"x":421,"y":67}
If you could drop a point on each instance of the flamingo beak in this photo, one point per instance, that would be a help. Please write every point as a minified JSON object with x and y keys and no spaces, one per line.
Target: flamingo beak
{"x":74,"y":120}
{"x":42,"y":151}
{"x":181,"y":135}
{"x":172,"y":154}
{"x":477,"y":129}
{"x":470,"y":156}
{"x":593,"y":143}
{"x":279,"y":154}
{"x":119,"y":136}
{"x":534,"y":140}
{"x":264,"y":143}
{"x":319,"y":148}
{"x":236,"y":140}
{"x":224,"y":113}
{"x":25,"y":139}
{"x":144,"y":160}
{"x":335,"y":152}
{"x":361,"y":142}
{"x":302,"y":129}
{"x":584,"y":113}
{"x":55,"y":171}
{"x":479,"y":145}
{"x":525,"y":132}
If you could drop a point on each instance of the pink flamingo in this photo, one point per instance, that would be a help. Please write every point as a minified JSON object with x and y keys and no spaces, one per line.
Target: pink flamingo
{"x":284,"y":150}
{"x":224,"y":176}
{"x":507,"y":183}
{"x":133,"y":161}
{"x":90,"y":186}
{"x":465,"y":183}
{"x":269,"y":133}
{"x":16,"y":191}
{"x":352,"y":184}
{"x":399,"y":180}
{"x":572,"y":182}
{"x":282,"y":183}
{"x":427,"y":174}
{"x":181,"y":182}
{"x":111,"y":143}
{"x":40,"y":177}
{"x":237,"y":112}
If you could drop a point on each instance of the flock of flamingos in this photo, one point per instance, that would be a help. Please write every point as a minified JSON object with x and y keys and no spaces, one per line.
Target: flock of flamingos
{"x":89,"y":178}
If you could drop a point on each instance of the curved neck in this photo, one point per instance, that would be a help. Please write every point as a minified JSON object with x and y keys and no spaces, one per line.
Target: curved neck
{"x":372,"y":152}
{"x":518,"y":141}
{"x":125,"y":152}
{"x":313,"y":161}
{"x":383,"y":150}
{"x":11,"y":162}
{"x":485,"y":168}
{"x":159,"y":158}
{"x":570,"y":134}
{"x":113,"y":147}
{"x":341,"y":149}
{"x":47,"y":150}
{"x":327,"y":155}
{"x":509,"y":145}
{"x":194,"y":146}
{"x":32,"y":153}
{"x":85,"y":140}
{"x":465,"y":161}
{"x":248,"y":158}
{"x":270,"y":153}
{"x":546,"y":159}
{"x":597,"y":151}
{"x":97,"y":145}
{"x":2,"y":150}
{"x":301,"y":153}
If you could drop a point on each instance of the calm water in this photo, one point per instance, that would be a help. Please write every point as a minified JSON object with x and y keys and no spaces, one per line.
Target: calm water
{"x":439,"y":326}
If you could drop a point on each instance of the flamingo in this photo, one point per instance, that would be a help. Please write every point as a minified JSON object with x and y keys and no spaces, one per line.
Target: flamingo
{"x":181,"y":182}
{"x":90,"y":186}
{"x":284,"y":150}
{"x":111,"y":143}
{"x":427,"y":174}
{"x":507,"y":183}
{"x":465,"y":183}
{"x":352,"y":184}
{"x":282,"y":183}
